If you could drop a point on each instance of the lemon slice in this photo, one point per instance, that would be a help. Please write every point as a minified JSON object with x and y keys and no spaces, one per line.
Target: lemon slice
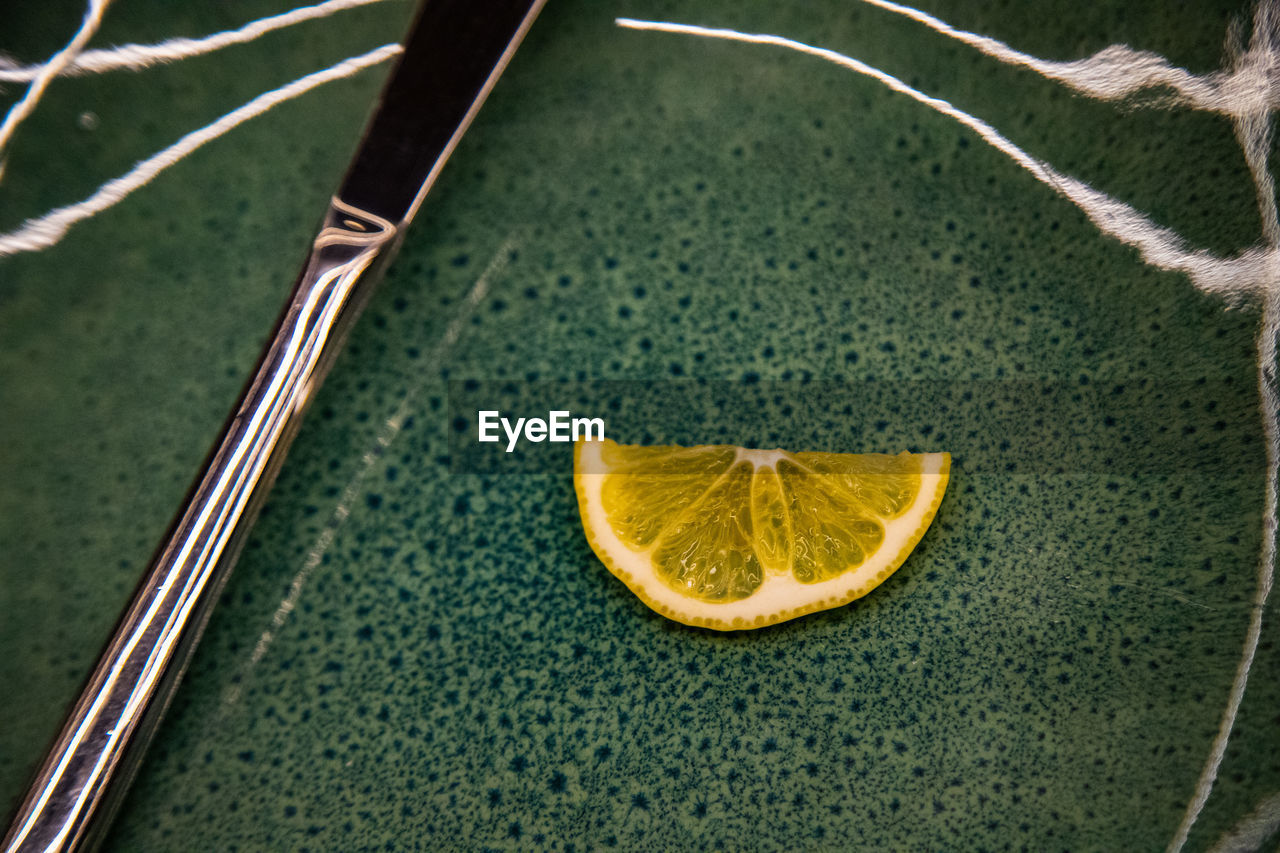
{"x":728,"y":538}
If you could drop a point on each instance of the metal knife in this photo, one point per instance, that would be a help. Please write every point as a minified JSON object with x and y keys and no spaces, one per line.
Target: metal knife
{"x":454,"y":54}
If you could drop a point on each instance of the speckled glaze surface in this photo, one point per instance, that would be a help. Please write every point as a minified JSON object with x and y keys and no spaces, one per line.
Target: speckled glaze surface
{"x":702,"y":243}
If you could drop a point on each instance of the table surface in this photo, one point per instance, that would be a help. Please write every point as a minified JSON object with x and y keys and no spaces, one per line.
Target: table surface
{"x":701,"y":242}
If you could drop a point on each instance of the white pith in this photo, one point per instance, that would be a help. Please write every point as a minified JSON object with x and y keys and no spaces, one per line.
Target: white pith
{"x":779,"y":594}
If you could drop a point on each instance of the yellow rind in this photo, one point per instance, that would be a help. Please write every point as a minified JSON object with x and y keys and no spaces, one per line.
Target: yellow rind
{"x":762,"y":620}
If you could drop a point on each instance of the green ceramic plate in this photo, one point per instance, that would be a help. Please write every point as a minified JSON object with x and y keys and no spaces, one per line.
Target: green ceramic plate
{"x":699,"y":242}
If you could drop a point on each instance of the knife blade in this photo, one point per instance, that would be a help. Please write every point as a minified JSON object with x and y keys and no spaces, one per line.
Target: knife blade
{"x":453,"y":56}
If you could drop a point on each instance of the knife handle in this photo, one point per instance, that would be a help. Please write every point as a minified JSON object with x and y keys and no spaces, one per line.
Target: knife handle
{"x":82,"y":780}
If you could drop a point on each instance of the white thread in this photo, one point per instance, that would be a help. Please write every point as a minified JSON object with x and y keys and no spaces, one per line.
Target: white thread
{"x":47,"y":230}
{"x":1250,"y":833}
{"x":1245,"y":92}
{"x":140,"y":56}
{"x":1270,"y":405}
{"x":1253,"y":129}
{"x":1119,"y":71}
{"x":1233,"y":278}
{"x":1254,"y":133}
{"x":45,"y":73}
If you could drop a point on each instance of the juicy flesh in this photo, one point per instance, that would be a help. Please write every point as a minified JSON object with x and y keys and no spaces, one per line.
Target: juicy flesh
{"x":715,"y":521}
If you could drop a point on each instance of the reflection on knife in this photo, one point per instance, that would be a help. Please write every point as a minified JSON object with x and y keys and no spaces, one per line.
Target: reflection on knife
{"x":454,"y":54}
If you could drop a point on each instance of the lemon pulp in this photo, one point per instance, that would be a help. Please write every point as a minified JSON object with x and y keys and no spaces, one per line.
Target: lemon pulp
{"x":729,"y":538}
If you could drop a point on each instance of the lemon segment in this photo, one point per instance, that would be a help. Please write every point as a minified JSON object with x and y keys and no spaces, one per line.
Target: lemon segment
{"x":770,"y":521}
{"x":728,"y":538}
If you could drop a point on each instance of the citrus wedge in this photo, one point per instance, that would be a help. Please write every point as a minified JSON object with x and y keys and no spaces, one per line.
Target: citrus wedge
{"x":728,"y":538}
